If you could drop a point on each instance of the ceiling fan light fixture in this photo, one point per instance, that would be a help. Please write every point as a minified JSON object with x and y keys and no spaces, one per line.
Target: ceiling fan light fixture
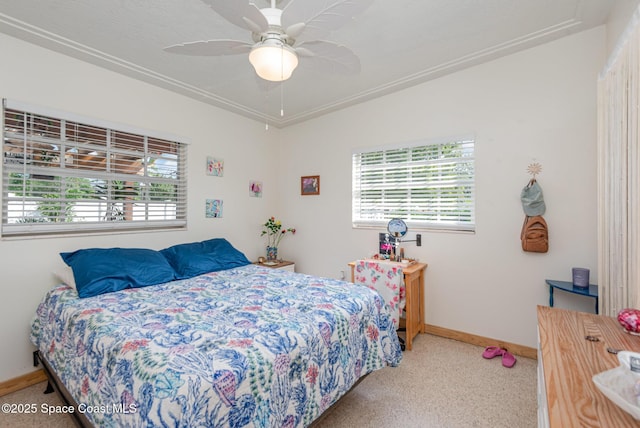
{"x":273,"y":60}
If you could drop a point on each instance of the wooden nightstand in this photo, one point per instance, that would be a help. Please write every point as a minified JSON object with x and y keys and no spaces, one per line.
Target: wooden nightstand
{"x":282,"y":264}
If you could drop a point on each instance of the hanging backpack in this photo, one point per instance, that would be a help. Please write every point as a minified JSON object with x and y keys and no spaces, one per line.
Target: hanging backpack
{"x":535,"y":235}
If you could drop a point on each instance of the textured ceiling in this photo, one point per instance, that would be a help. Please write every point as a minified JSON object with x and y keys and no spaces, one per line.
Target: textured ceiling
{"x":400,"y":43}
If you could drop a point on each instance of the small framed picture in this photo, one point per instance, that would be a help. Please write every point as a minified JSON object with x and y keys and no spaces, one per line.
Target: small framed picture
{"x":215,"y":166}
{"x":255,"y":188}
{"x":310,"y":185}
{"x":213,"y":208}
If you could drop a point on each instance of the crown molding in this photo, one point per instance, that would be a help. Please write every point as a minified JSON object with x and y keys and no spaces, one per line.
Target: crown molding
{"x":46,"y":39}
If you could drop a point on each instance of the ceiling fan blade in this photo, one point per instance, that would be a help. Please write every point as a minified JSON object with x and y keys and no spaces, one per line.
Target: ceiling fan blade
{"x":328,"y":57}
{"x":295,"y":30}
{"x":210,"y":48}
{"x":321,"y":16}
{"x":241,"y":13}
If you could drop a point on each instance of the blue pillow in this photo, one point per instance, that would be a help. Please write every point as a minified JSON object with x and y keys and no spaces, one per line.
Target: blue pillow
{"x":103,"y":270}
{"x":196,"y":258}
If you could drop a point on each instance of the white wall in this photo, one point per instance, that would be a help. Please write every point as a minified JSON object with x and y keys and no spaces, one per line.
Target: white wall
{"x":38,"y":76}
{"x":537,"y":105}
{"x":618,"y":21}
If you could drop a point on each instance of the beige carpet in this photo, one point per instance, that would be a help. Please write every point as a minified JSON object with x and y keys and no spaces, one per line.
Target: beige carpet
{"x":440,"y":383}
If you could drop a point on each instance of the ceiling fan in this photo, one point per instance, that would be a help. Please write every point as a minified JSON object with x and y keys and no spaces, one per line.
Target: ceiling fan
{"x":281,"y":36}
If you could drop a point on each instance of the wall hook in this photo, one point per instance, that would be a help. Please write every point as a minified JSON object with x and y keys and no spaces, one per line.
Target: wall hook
{"x":534,"y":169}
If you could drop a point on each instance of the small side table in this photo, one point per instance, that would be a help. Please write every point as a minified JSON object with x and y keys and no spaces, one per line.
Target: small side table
{"x":591,"y":291}
{"x":282,"y":264}
{"x":414,"y":308}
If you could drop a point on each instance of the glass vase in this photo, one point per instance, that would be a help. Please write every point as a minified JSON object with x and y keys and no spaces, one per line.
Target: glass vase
{"x":272,"y":254}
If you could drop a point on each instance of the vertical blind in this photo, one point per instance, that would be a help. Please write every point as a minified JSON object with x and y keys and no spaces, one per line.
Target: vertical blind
{"x":63,"y":175}
{"x":429,"y":185}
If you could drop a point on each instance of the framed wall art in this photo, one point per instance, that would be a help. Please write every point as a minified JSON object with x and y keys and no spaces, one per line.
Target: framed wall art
{"x":215,"y":166}
{"x":255,"y":188}
{"x":213,"y":208}
{"x":310,"y":185}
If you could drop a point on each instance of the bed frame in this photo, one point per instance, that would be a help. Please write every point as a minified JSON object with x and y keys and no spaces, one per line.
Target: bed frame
{"x":55,"y":384}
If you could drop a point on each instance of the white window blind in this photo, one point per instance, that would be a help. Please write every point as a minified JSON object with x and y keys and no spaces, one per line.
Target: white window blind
{"x":430,"y":185}
{"x":64,"y":175}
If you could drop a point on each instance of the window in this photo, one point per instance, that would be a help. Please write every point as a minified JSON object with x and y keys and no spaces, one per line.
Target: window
{"x":64,"y":174}
{"x":428,"y":185}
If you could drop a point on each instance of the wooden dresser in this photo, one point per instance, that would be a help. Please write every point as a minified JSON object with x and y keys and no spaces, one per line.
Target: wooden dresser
{"x":567,"y":396}
{"x":414,"y":309}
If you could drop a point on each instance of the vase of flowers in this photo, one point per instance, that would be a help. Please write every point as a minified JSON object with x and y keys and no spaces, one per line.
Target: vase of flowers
{"x":275,"y":232}
{"x":272,"y":254}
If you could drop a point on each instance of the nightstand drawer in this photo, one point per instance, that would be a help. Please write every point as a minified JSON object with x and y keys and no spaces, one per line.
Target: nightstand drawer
{"x":290,"y":267}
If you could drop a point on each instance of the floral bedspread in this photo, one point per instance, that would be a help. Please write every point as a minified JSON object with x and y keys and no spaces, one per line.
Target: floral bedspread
{"x":249,"y":346}
{"x":387,"y":279}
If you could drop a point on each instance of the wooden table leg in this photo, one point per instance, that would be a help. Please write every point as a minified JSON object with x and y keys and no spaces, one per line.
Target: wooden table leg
{"x":408,"y":309}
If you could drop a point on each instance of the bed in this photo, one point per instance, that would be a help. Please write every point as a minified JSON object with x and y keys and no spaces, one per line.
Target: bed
{"x":242,"y":345}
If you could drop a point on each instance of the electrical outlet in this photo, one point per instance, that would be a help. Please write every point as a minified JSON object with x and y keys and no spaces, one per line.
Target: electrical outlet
{"x":418,"y":240}
{"x":342,"y":275}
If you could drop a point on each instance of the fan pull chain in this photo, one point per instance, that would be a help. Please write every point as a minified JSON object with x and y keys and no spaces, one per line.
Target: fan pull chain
{"x":266,"y":108}
{"x":282,"y":82}
{"x":281,"y":99}
{"x":282,"y":76}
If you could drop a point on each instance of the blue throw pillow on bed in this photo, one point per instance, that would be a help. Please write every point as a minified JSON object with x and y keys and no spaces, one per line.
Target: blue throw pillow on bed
{"x":103,"y":270}
{"x":196,"y":258}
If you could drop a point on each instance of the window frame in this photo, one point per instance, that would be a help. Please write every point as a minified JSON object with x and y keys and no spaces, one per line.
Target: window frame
{"x":412,"y":211}
{"x":140,"y":176}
